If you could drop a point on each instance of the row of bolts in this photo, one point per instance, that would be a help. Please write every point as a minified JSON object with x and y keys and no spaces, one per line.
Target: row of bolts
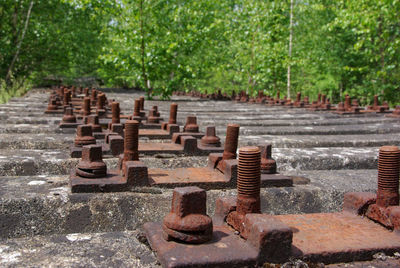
{"x":250,"y":162}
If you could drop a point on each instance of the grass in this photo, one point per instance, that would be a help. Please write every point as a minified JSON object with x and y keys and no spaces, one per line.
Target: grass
{"x":16,"y":88}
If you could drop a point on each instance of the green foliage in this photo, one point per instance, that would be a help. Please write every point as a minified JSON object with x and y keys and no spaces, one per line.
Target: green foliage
{"x":339,"y":46}
{"x":17,"y":88}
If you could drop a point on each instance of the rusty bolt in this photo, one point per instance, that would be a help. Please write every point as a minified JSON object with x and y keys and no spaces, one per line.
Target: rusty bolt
{"x":115,"y":111}
{"x":340,"y":107}
{"x":152,"y":118}
{"x":84,"y":136}
{"x":141,"y":103}
{"x":347,"y":102}
{"x":388,"y":176}
{"x":210,"y":139}
{"x":52,"y":105}
{"x":173,"y":111}
{"x":91,"y":165}
{"x":188,"y":221}
{"x":385,"y":105}
{"x":93,"y":97}
{"x":231,"y":142}
{"x":93,"y":121}
{"x":376,"y":102}
{"x":319,"y":98}
{"x":156,"y":112}
{"x":191,"y":124}
{"x":298,"y":97}
{"x":323,"y":99}
{"x":136,"y":109}
{"x":131,"y":141}
{"x":101,"y":101}
{"x":86,"y":92}
{"x":69,"y":116}
{"x":86,"y":106}
{"x":278,"y":95}
{"x":66,"y":99}
{"x":268,"y":164}
{"x":396,"y":111}
{"x":248,"y":180}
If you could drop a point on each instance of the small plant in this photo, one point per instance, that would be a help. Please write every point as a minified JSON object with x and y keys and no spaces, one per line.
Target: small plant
{"x":16,"y":88}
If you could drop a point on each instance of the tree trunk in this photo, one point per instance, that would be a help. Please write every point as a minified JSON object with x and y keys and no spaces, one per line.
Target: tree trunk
{"x":290,"y":48}
{"x":145,"y":79}
{"x":9,"y":70}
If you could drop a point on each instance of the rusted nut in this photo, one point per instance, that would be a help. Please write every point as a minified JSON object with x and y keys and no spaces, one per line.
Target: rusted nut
{"x":86,"y":91}
{"x":91,"y":165}
{"x":85,"y":106}
{"x":268,"y":164}
{"x":188,"y":221}
{"x":388,"y":176}
{"x":210,"y":139}
{"x":191,"y":125}
{"x":69,"y":116}
{"x":84,"y":136}
{"x":93,"y":121}
{"x":115,"y":111}
{"x":173,"y":111}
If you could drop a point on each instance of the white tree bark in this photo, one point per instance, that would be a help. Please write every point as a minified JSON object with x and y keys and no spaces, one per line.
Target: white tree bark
{"x":28,"y":15}
{"x":290,"y":48}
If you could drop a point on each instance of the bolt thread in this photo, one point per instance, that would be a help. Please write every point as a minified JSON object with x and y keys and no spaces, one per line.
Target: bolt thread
{"x":115,"y":113}
{"x":248,"y":181}
{"x":388,"y":176}
{"x":231,"y":142}
{"x":173,"y":113}
{"x":136,"y":108}
{"x":131,"y":141}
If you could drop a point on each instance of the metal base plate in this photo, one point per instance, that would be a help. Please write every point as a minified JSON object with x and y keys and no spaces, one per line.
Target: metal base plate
{"x":224,"y":250}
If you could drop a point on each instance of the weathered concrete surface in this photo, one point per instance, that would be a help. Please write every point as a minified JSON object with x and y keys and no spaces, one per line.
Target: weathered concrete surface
{"x":112,"y":249}
{"x":337,"y":153}
{"x":45,"y":204}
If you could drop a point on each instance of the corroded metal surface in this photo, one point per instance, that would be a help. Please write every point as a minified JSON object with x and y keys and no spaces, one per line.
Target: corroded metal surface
{"x":336,"y":237}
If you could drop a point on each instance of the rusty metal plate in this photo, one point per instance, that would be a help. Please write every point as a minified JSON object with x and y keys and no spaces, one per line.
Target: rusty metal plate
{"x":202,"y":177}
{"x":224,"y":250}
{"x":113,"y":182}
{"x":276,"y":180}
{"x":154,"y":133}
{"x":338,"y":237}
{"x":155,"y":148}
